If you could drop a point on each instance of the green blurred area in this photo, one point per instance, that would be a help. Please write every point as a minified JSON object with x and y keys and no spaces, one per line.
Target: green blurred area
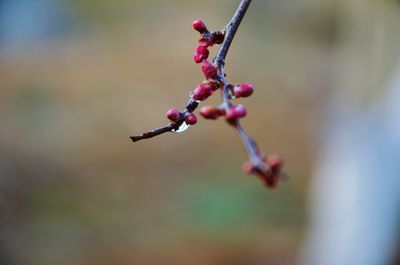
{"x":75,"y":190}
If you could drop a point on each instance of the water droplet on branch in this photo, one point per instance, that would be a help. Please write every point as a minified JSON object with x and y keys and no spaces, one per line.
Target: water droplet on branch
{"x":184,"y":126}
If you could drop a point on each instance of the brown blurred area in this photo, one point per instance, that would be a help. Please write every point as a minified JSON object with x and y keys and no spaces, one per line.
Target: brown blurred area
{"x":75,"y":190}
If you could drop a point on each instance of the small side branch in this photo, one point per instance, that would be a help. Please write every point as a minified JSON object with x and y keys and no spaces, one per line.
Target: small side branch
{"x":173,"y":126}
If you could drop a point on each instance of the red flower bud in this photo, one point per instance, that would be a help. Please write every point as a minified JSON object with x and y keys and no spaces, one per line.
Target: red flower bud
{"x":241,"y":111}
{"x":276,"y":163}
{"x":248,"y":168}
{"x":211,"y":84}
{"x":269,"y":178}
{"x":199,"y":26}
{"x":270,"y":181}
{"x":243,"y":90}
{"x":206,"y":40}
{"x":202,"y":92}
{"x":191,"y":119}
{"x":173,"y":114}
{"x":201,"y":54}
{"x":235,"y":113}
{"x":209,"y":69}
{"x":211,"y":113}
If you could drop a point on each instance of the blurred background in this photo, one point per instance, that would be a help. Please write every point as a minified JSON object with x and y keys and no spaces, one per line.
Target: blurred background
{"x":77,"y":78}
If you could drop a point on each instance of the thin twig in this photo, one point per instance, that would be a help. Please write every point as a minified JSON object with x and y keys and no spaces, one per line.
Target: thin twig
{"x":230,"y":31}
{"x":255,"y":156}
{"x":173,"y":126}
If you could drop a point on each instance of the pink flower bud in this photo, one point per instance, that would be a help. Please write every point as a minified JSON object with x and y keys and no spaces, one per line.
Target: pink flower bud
{"x":209,"y":69}
{"x":191,"y":119}
{"x":243,"y":90}
{"x":241,"y":111}
{"x":202,"y":92}
{"x":269,"y":178}
{"x":211,"y":113}
{"x":200,"y":54}
{"x":199,"y":26}
{"x":270,"y":181}
{"x":206,"y":40}
{"x":248,"y":168}
{"x":173,"y":114}
{"x":275,"y":162}
{"x":212,"y":85}
{"x":235,"y":113}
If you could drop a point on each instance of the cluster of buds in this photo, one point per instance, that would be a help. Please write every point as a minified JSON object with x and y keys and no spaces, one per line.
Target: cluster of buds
{"x":175,"y":115}
{"x":231,"y":115}
{"x":215,"y":80}
{"x":273,"y":175}
{"x":212,"y":81}
{"x":206,"y":40}
{"x":268,"y":169}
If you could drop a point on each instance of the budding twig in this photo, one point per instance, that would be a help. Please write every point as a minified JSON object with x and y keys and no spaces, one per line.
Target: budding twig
{"x":268,"y":169}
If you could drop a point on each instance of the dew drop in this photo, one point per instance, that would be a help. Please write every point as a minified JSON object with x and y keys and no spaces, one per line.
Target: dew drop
{"x":184,"y":126}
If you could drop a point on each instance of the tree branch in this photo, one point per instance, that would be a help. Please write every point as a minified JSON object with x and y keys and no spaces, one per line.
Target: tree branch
{"x":230,"y":31}
{"x":267,"y":169}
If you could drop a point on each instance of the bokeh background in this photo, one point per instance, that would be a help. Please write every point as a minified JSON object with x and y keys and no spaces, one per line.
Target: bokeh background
{"x":77,"y":78}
